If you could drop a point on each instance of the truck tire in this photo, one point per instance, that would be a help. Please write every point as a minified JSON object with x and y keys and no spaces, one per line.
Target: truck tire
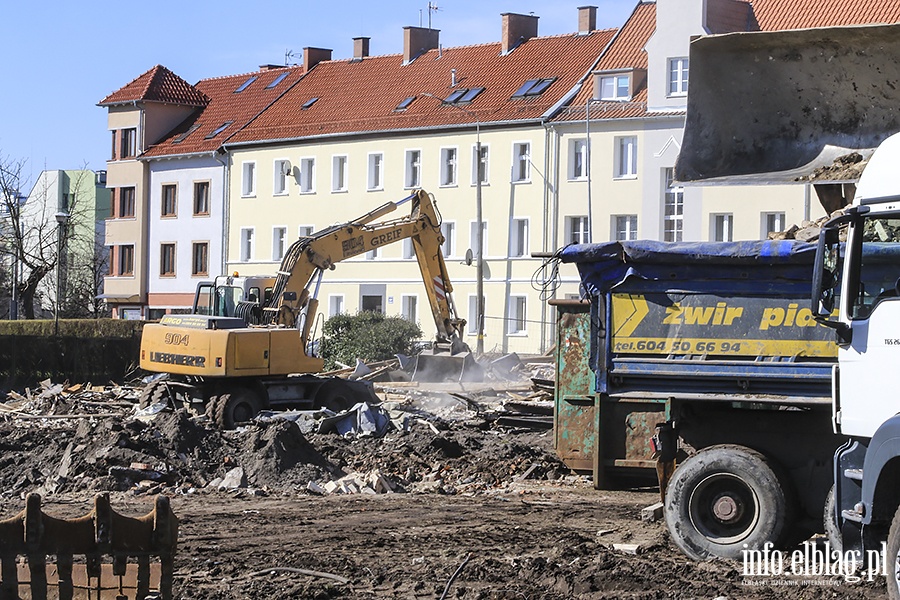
{"x":154,"y":393}
{"x":725,"y":499}
{"x":892,"y":558}
{"x":832,"y":529}
{"x":227,"y":410}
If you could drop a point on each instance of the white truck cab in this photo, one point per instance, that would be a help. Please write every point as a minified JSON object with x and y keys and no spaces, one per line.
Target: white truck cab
{"x":860,"y":252}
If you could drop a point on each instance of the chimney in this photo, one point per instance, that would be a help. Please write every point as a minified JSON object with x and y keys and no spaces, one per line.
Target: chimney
{"x":516,"y":29}
{"x":313,"y":56}
{"x":265,"y":68}
{"x":360,"y":48}
{"x":418,"y":40}
{"x":587,"y":19}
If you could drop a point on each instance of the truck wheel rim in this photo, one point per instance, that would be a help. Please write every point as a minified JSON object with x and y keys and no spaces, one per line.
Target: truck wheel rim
{"x":724,"y":508}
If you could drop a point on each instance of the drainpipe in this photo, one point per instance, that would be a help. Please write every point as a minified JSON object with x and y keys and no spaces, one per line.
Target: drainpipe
{"x":226,"y":200}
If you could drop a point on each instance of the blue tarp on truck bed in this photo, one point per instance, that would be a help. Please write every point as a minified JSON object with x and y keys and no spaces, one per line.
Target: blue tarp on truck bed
{"x":604,"y":266}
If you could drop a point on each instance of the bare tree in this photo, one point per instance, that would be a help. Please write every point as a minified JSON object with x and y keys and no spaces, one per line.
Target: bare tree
{"x":38,"y":240}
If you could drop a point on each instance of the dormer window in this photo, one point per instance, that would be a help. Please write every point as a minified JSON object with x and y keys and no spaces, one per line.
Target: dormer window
{"x":615,"y":88}
{"x":678,"y":76}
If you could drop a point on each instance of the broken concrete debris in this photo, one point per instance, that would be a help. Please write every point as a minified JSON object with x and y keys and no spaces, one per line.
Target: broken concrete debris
{"x":421,"y":438}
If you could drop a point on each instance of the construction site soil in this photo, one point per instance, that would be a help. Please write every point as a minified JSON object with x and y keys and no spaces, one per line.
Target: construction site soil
{"x":477,"y":511}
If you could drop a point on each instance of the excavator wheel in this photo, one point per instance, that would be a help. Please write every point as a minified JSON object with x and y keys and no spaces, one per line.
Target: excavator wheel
{"x":154,"y":393}
{"x":227,"y":410}
{"x":336,"y":397}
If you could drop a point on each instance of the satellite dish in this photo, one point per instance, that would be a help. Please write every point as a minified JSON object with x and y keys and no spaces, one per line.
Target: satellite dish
{"x":469,"y":257}
{"x":286,"y":167}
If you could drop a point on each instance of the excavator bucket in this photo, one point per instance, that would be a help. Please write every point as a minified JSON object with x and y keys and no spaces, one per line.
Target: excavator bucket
{"x":446,"y":367}
{"x":784,"y":106}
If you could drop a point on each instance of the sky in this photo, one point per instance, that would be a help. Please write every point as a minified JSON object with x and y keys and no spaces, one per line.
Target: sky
{"x":60,"y":58}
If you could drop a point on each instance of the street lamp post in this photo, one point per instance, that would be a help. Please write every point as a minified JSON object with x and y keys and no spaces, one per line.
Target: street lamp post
{"x":61,"y":219}
{"x":479,"y":228}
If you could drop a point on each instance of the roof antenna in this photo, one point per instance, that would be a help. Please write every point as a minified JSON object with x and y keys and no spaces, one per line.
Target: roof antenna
{"x":288,"y":55}
{"x":431,"y":8}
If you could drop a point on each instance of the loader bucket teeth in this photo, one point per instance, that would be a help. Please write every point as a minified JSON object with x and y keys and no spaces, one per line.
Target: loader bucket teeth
{"x":101,"y":533}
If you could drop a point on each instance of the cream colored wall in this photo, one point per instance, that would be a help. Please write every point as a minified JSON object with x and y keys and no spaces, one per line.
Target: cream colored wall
{"x":502,"y":201}
{"x":122,"y":173}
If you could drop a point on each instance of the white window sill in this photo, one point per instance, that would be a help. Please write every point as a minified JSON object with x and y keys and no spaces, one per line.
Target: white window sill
{"x":280,"y":194}
{"x":307,"y":192}
{"x":576,"y":179}
{"x":520,"y":181}
{"x":253,"y":195}
{"x":625,"y":177}
{"x":375,"y":189}
{"x":448,"y":185}
{"x":338,"y":191}
{"x":484,"y":184}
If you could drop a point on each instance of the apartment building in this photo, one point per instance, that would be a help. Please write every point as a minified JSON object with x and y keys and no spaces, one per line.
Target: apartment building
{"x":578,"y":133}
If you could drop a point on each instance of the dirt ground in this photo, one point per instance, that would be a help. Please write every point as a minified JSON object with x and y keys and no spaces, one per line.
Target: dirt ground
{"x":489,"y":505}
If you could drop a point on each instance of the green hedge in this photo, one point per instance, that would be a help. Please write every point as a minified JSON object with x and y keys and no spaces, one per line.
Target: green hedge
{"x":98,"y":351}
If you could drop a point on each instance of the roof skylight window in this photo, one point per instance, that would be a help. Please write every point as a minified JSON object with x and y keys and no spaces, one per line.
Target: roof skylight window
{"x":277,"y":80}
{"x":183,"y":136}
{"x":534,"y":87}
{"x":470,"y":94}
{"x":308,"y":103}
{"x":245,"y":85}
{"x":455,"y":95}
{"x":219,"y":129}
{"x":406,"y":102}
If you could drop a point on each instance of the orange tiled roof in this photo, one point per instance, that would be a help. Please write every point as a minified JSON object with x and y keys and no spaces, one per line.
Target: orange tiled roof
{"x":801,"y":14}
{"x":625,"y":52}
{"x":159,"y":84}
{"x":225,"y":104}
{"x":361,"y":95}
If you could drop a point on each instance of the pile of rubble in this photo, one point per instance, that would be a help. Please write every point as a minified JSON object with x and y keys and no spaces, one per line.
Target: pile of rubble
{"x":422,"y":438}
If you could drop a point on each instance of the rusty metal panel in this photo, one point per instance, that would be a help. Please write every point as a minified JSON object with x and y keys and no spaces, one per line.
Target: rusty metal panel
{"x":575,"y":436}
{"x":108,"y":586}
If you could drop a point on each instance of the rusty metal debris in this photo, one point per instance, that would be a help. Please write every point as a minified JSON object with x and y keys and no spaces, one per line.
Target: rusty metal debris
{"x":103,"y":532}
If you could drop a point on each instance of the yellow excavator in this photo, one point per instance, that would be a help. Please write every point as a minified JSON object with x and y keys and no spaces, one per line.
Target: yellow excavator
{"x":258,"y":352}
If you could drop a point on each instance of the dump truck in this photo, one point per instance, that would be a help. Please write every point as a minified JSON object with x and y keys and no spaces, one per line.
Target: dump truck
{"x":700,"y":366}
{"x":232,"y":368}
{"x":831,"y":103}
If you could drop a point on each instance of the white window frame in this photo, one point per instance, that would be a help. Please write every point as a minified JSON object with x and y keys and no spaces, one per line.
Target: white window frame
{"x":305,"y":230}
{"x":449,"y":166}
{"x":336,"y":304}
{"x":626,"y":157}
{"x":472,"y":321}
{"x":448,"y":230}
{"x":248,"y":179}
{"x":629,"y":231}
{"x":248,"y":243}
{"x":577,"y":229}
{"x":409,"y":307}
{"x":280,"y":178}
{"x":486,"y":153}
{"x":518,"y":238}
{"x":339,"y":175}
{"x":610,"y":88}
{"x":473,"y":229}
{"x":521,"y":162}
{"x":375,"y":177}
{"x":678,"y":75}
{"x":407,"y":250}
{"x":373,"y":254}
{"x":308,"y":175}
{"x":673,"y":224}
{"x":412,"y":169}
{"x":279,"y":242}
{"x":517,"y":316}
{"x":722,"y":227}
{"x":577,"y":159}
{"x":773,"y":222}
